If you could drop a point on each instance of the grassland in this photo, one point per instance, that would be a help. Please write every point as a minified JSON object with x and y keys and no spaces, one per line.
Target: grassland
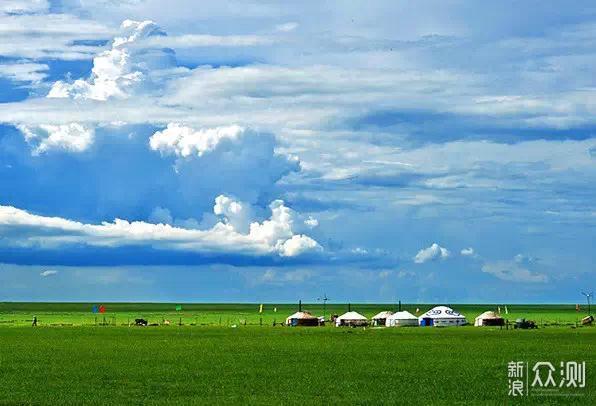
{"x":212,"y":364}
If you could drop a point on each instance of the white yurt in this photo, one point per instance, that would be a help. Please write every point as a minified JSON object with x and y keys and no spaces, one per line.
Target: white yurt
{"x":489,"y":319}
{"x":442,"y":316}
{"x":302,"y":319}
{"x":380,"y":318}
{"x":351,"y":319}
{"x":401,"y":319}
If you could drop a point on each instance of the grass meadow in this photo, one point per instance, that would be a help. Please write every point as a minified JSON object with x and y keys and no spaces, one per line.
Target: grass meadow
{"x":209,"y":363}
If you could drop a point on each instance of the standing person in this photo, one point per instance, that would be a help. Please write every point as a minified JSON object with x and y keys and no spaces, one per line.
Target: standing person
{"x":34,"y":321}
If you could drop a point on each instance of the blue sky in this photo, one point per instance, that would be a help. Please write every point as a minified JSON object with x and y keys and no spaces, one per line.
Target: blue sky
{"x":257,"y":151}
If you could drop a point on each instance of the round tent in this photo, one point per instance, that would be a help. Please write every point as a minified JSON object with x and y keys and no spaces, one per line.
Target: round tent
{"x":400,"y":319}
{"x":351,"y":319}
{"x":302,"y":319}
{"x":442,"y":316}
{"x":380,"y":318}
{"x":489,"y":319}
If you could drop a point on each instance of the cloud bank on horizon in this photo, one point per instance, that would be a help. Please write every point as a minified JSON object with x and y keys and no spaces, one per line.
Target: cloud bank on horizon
{"x":343,"y":151}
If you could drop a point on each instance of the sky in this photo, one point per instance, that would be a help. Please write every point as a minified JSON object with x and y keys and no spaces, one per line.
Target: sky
{"x":260,"y":151}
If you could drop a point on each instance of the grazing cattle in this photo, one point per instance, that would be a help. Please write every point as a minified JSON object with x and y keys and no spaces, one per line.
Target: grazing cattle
{"x":141,"y":322}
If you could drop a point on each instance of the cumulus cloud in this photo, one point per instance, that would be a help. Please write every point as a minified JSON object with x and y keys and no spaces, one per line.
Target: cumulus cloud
{"x":297,"y":245}
{"x":118,"y":71}
{"x":247,"y":160}
{"x":185,"y":141}
{"x":274,"y":236}
{"x":47,"y":273}
{"x":432,"y":253}
{"x":467,"y":252}
{"x":233,"y":212}
{"x":71,"y":137}
{"x":513,"y":271}
{"x":278,"y":231}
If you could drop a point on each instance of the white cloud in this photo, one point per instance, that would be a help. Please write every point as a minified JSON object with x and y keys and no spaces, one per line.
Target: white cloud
{"x":513,"y":271}
{"x":524,"y":259}
{"x":297,"y":245}
{"x":273,"y":236}
{"x":185,"y":141}
{"x":467,"y":252}
{"x":287,"y":27}
{"x":71,"y":137}
{"x":359,"y":251}
{"x":52,"y":36}
{"x":432,"y":253}
{"x":311,"y":222}
{"x":235,"y":213}
{"x":278,"y":231}
{"x":196,"y":41}
{"x":272,"y":276}
{"x":45,"y":274}
{"x":120,"y":70}
{"x":230,"y":159}
{"x":24,"y":71}
{"x":23,"y":6}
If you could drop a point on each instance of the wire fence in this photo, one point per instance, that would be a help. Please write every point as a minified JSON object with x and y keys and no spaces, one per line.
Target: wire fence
{"x":229,"y":320}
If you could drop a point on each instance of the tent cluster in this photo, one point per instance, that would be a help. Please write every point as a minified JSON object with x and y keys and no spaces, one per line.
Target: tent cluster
{"x":439,"y":316}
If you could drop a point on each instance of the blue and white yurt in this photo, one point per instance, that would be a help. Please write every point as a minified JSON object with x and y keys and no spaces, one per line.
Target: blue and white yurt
{"x":442,"y":316}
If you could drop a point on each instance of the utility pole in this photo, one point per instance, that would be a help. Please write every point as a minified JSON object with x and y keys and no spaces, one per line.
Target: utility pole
{"x":324,"y":299}
{"x":589,"y":297}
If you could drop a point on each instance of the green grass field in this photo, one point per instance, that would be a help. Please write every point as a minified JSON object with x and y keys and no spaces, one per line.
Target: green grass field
{"x":212,"y":364}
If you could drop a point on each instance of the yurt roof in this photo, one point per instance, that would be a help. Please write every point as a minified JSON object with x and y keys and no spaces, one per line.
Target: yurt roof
{"x":402,"y":316}
{"x":382,"y":315}
{"x":489,"y":315}
{"x":301,"y":315}
{"x":352,"y":316}
{"x":442,"y":312}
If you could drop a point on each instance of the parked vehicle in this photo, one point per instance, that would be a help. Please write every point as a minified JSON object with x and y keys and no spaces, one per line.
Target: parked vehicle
{"x":524,"y":324}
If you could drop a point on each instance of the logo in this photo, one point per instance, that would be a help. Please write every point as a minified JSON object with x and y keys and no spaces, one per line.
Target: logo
{"x":544,"y":379}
